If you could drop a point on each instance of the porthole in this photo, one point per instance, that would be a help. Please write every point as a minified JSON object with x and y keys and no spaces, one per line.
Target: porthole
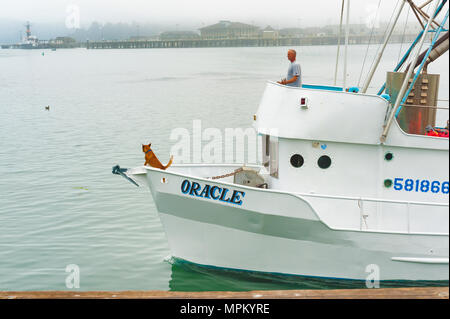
{"x":387,"y":183}
{"x":388,"y":156}
{"x":297,"y":160}
{"x":324,"y":162}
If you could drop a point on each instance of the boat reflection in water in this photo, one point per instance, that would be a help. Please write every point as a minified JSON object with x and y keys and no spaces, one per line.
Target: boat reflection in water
{"x":188,"y":276}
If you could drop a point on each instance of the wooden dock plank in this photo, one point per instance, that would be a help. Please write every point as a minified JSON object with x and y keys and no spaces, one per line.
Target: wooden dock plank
{"x":382,"y":293}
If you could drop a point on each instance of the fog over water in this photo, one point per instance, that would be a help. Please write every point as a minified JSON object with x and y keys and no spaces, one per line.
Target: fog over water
{"x":283,"y":12}
{"x":49,"y":17}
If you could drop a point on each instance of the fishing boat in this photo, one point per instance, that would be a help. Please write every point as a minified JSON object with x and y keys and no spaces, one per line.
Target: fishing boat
{"x":29,"y":41}
{"x":349,"y":182}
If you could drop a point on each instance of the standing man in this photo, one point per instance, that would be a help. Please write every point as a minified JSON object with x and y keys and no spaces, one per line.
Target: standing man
{"x":294,"y":71}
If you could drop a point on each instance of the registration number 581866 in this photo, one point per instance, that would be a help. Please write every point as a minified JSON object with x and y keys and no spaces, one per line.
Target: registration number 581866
{"x":421,"y":185}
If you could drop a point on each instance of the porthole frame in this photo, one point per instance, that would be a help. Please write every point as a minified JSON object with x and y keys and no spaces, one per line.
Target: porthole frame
{"x":389,"y":156}
{"x":325,"y":165}
{"x":388,"y":183}
{"x":300,"y":158}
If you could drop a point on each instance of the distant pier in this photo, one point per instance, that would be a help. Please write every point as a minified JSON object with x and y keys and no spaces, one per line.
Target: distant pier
{"x":215,"y":43}
{"x":256,"y":42}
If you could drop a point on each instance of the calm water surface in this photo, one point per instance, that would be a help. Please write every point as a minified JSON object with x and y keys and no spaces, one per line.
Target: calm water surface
{"x":59,"y":202}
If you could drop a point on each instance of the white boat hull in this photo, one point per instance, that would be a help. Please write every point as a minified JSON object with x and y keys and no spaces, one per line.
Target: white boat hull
{"x":279,"y":232}
{"x":219,"y":246}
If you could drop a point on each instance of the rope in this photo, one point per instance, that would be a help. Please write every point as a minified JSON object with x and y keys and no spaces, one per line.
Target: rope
{"x":228,"y":175}
{"x":370,"y":41}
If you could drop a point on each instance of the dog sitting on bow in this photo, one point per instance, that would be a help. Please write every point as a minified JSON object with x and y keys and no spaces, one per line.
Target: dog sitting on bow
{"x":152,"y":160}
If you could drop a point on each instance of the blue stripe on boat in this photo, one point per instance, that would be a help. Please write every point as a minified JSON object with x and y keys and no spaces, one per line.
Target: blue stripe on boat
{"x":322,"y":87}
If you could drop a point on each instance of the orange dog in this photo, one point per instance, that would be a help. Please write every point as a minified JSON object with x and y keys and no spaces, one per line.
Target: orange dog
{"x":152,"y":160}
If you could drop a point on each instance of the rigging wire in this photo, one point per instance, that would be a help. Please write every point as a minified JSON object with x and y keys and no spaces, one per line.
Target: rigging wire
{"x":416,"y":14}
{"x":384,"y":35}
{"x":370,"y":41}
{"x":431,"y":26}
{"x":403,"y":35}
{"x":413,"y":52}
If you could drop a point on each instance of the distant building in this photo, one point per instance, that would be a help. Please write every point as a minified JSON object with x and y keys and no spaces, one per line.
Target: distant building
{"x":62,"y":40}
{"x":269,"y":33}
{"x":230,"y":30}
{"x":179,"y":35}
{"x":144,"y":38}
{"x":355,"y":29}
{"x":291,"y":33}
{"x":400,"y":28}
{"x":360,"y":29}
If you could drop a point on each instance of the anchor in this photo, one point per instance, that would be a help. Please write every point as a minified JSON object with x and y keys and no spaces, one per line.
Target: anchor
{"x":121,"y":171}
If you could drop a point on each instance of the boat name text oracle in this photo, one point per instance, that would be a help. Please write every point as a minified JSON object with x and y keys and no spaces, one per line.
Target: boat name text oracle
{"x":212,"y":192}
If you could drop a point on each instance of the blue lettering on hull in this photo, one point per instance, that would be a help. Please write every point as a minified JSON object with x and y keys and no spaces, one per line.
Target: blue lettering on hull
{"x":212,"y":192}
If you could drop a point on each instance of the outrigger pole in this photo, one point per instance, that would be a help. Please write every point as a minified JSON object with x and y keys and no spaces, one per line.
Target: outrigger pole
{"x":402,"y":91}
{"x":408,"y":52}
{"x":424,"y":56}
{"x":380,"y":54}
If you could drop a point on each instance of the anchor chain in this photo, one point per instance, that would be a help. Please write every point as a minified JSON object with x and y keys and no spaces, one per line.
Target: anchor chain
{"x":227,"y":175}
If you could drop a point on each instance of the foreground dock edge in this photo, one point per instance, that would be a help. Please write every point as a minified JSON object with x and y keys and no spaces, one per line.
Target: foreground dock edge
{"x":382,"y":293}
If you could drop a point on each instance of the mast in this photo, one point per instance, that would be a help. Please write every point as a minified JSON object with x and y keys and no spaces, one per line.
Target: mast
{"x":339,"y":42}
{"x":28,"y":32}
{"x":347,"y":32}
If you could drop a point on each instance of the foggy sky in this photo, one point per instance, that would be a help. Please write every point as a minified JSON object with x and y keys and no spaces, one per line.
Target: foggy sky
{"x":195,"y":13}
